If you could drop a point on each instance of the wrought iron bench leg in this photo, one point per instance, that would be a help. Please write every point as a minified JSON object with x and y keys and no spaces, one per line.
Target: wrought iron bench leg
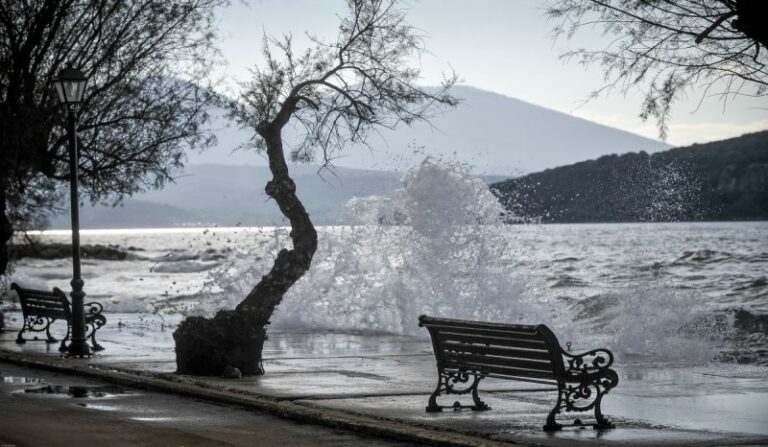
{"x":95,"y":321}
{"x":445,"y":385}
{"x":51,"y":338}
{"x":583,"y":396}
{"x":19,"y":338}
{"x":432,"y":406}
{"x":29,"y":326}
{"x":610,"y":379}
{"x":63,"y":345}
{"x":94,"y":344}
{"x":552,"y":424}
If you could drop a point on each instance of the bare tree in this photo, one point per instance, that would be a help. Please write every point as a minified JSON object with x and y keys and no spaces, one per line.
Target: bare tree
{"x":336,"y":93}
{"x":667,"y":48}
{"x":140,"y":113}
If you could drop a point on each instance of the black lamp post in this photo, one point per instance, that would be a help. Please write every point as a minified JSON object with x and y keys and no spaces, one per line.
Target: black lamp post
{"x":70,"y":86}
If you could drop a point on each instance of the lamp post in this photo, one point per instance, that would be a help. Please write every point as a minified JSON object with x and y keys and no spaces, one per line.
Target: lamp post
{"x":70,"y":87}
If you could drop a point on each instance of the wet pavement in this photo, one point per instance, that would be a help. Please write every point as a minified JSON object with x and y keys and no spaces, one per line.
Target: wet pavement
{"x":39,"y":408}
{"x":389,"y":378}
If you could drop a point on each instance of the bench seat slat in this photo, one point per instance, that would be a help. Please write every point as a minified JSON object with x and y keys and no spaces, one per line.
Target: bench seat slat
{"x":539,"y":354}
{"x":449,"y":322}
{"x":491,"y":341}
{"x":52,"y":300}
{"x":522,"y":335}
{"x":489,"y":360}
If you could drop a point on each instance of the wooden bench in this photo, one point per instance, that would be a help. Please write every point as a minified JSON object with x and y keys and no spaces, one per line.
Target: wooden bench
{"x":473,"y":349}
{"x":41,"y":308}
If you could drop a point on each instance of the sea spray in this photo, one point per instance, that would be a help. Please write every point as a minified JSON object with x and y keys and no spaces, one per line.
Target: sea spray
{"x":653,"y":321}
{"x":437,"y":245}
{"x":647,"y":314}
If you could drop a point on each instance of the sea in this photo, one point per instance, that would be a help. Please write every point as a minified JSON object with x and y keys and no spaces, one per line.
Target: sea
{"x":693,"y":292}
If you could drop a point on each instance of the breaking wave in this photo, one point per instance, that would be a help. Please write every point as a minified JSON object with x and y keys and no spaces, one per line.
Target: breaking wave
{"x":438,"y":245}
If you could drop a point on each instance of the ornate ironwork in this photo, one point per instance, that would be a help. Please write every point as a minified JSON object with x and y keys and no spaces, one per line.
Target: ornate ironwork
{"x":446,"y":384}
{"x":40,"y":317}
{"x":35,"y":323}
{"x":528,"y":353}
{"x":94,"y":320}
{"x":588,"y":362}
{"x":586,"y":380}
{"x":583,"y":396}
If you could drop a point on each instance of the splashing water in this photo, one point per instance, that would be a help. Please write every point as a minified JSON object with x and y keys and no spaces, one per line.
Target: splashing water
{"x":655,"y":321}
{"x":438,"y":246}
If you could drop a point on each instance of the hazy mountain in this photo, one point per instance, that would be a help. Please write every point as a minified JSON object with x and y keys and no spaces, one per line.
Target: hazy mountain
{"x":495,"y":133}
{"x":722,"y":180}
{"x":234,"y":195}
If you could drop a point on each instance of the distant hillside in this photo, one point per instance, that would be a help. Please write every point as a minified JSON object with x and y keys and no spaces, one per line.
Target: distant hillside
{"x":494,"y":133}
{"x":234,"y":195}
{"x":723,"y":180}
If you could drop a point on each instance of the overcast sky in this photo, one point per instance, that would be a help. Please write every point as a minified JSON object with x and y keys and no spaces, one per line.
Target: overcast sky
{"x":504,"y":46}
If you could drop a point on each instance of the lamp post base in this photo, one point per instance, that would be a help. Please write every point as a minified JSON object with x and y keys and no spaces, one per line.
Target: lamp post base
{"x":78,"y":348}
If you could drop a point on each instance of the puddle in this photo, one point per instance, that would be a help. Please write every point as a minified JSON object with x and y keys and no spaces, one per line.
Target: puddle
{"x":153,"y":419}
{"x":100,"y":407}
{"x":15,"y":380}
{"x":79,"y":392}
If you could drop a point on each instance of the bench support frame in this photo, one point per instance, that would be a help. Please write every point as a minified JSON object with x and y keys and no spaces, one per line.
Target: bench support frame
{"x":583,"y":396}
{"x":446,"y":384}
{"x":529,"y":353}
{"x":94,"y":318}
{"x":34,"y":323}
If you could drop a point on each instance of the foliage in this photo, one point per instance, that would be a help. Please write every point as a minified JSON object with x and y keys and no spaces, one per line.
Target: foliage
{"x":667,"y":48}
{"x":723,"y":180}
{"x":141,"y":110}
{"x":336,"y":93}
{"x":340,"y":92}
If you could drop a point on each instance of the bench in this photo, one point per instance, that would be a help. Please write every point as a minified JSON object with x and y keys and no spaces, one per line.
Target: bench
{"x":528,"y":353}
{"x":41,"y":308}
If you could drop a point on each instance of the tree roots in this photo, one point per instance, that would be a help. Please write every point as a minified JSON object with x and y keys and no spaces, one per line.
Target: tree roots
{"x":206,"y":346}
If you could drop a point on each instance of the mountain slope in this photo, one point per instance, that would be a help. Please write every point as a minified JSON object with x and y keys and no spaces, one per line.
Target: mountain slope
{"x":722,"y":180}
{"x":494,"y":133}
{"x":234,"y":195}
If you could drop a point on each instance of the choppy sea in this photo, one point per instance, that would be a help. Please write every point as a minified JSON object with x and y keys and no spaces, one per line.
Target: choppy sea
{"x":438,"y":245}
{"x":691,"y":291}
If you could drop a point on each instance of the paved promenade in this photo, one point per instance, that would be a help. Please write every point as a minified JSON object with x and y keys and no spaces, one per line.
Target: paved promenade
{"x":379,"y":385}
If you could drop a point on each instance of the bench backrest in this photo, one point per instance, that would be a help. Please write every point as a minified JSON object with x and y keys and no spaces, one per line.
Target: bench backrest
{"x":44,"y":303}
{"x":522,"y":352}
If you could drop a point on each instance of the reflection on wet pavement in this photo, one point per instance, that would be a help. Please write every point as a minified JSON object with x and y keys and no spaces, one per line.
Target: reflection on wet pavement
{"x":391,"y":376}
{"x":44,"y":408}
{"x":79,"y":392}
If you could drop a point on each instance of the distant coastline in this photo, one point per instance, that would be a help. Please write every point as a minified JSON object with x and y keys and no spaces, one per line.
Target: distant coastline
{"x":720,"y":181}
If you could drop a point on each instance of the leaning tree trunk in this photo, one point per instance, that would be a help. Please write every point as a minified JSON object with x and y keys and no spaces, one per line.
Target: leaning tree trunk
{"x":236,"y":337}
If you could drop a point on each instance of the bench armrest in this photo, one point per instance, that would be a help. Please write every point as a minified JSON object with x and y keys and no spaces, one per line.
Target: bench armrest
{"x":93,"y":308}
{"x":587,"y":362}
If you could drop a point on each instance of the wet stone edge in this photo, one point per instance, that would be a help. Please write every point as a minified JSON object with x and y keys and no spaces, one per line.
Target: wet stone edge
{"x":303,"y":412}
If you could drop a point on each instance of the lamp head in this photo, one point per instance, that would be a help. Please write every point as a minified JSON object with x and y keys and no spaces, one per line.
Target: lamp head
{"x":70,"y":85}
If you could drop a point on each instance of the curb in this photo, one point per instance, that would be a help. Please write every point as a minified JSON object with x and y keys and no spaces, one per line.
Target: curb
{"x":171,"y":383}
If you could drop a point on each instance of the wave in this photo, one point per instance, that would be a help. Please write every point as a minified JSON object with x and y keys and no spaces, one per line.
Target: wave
{"x":447,"y":257}
{"x":706,"y":256}
{"x":186,"y":266}
{"x":561,"y":281}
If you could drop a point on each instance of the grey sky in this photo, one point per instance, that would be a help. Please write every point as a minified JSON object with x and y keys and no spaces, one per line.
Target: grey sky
{"x":504,"y":46}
